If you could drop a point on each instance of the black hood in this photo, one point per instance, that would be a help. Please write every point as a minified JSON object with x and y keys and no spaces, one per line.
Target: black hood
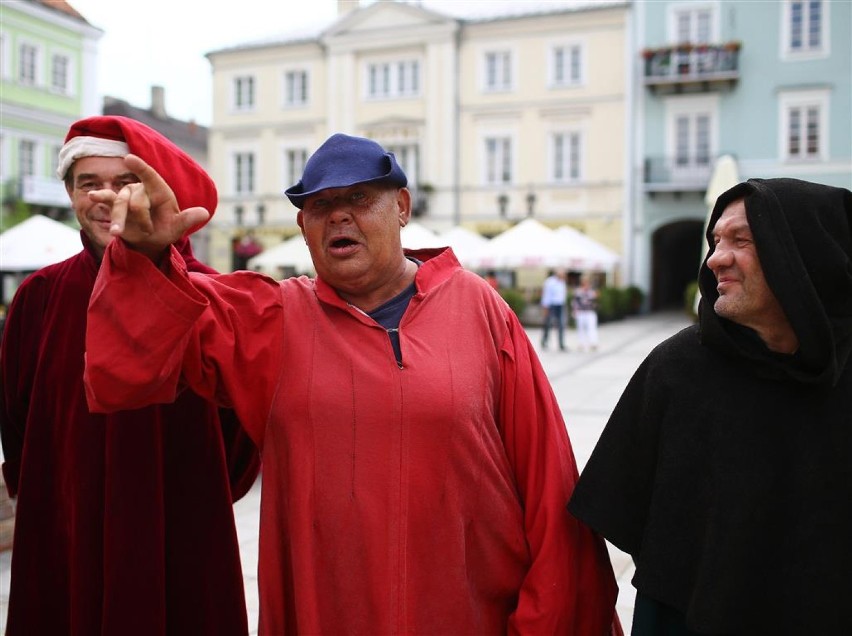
{"x":803,"y":236}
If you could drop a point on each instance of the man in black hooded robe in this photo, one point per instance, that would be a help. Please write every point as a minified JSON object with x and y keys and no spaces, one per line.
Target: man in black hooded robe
{"x":725,"y":470}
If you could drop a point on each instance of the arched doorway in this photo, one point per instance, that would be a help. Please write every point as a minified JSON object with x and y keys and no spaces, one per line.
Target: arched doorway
{"x":675,"y":257}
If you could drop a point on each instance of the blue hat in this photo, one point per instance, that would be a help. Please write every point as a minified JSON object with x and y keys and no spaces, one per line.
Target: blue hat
{"x":343,"y":161}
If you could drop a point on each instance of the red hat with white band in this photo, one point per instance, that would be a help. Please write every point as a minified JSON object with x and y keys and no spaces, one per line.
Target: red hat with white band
{"x":113,"y":136}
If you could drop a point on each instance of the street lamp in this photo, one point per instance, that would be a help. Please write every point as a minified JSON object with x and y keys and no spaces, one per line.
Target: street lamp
{"x":503,"y":203}
{"x":530,"y":203}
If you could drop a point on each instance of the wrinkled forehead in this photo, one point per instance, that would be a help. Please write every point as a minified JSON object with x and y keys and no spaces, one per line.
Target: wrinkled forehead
{"x":733,"y":218}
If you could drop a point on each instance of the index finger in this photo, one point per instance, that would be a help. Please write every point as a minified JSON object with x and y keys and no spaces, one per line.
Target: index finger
{"x":156,"y":187}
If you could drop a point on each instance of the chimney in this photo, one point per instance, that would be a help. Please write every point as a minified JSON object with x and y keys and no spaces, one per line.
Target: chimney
{"x":158,"y":102}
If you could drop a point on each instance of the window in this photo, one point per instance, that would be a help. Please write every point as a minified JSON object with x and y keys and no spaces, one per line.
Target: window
{"x":692,"y":140}
{"x":408,"y":77}
{"x":498,"y":160}
{"x":296,"y":88}
{"x":244,"y":173}
{"x":693,"y":25}
{"x":393,"y":79}
{"x":28,"y":64}
{"x":26,"y":158}
{"x":498,"y":71}
{"x":566,"y":156}
{"x":54,"y":159}
{"x":294,"y":165}
{"x":4,"y":55}
{"x":567,"y":65}
{"x":244,"y":93}
{"x":59,"y":73}
{"x":805,"y":26}
{"x":408,"y":157}
{"x":804,"y":122}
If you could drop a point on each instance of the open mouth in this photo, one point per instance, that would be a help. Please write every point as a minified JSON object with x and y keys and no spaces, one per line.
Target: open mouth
{"x":342,"y":243}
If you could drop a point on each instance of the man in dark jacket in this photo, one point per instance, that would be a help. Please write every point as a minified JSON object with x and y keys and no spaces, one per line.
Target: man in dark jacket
{"x":726,"y":467}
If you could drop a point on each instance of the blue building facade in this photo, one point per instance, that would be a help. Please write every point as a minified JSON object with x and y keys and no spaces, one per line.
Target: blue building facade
{"x":769,"y":84}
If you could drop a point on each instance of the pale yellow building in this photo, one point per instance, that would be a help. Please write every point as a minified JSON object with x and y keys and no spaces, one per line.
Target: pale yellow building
{"x":493,"y":118}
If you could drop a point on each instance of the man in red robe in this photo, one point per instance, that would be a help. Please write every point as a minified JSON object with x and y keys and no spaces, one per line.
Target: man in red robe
{"x":417,"y":466}
{"x":124,"y":522}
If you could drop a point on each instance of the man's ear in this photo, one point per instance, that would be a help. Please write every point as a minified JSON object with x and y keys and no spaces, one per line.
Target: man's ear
{"x":300,"y":222}
{"x":403,"y":202}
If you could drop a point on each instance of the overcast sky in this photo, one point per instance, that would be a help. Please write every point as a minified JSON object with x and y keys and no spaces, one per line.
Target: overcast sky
{"x":163,"y":42}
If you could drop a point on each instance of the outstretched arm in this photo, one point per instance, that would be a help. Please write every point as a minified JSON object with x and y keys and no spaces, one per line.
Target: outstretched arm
{"x":146,"y":214}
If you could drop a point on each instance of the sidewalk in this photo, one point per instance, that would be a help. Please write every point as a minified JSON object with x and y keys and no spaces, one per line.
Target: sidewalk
{"x":587,"y":386}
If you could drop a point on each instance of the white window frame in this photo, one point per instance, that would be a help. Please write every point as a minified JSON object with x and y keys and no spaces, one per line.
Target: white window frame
{"x":569,"y":169}
{"x":789,"y":100}
{"x":236,"y":158}
{"x":568,"y":79}
{"x":243,"y":100}
{"x":407,"y":155}
{"x":70,"y":78}
{"x":292,"y":171}
{"x":498,"y":161}
{"x":397,"y":78}
{"x":54,"y":158}
{"x":806,"y":52}
{"x":505,"y":65}
{"x":296,"y":84}
{"x":693,"y":9}
{"x":691,"y":106}
{"x":5,"y":56}
{"x":35,"y":159}
{"x":37,"y":57}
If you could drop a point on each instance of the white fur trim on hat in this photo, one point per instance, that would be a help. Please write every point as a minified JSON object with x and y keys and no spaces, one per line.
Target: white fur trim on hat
{"x":82,"y":146}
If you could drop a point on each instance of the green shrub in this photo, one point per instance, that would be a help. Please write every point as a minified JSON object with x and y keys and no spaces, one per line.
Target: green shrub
{"x":515,"y":299}
{"x":689,"y":299}
{"x":635,"y":298}
{"x":611,"y":304}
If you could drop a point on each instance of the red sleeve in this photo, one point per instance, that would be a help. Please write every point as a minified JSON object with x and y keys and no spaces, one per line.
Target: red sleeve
{"x":18,"y":357}
{"x":150,"y":333}
{"x":570,"y":587}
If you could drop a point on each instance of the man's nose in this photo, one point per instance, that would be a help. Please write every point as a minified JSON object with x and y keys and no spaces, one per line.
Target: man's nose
{"x":719,"y":258}
{"x":340,"y":210}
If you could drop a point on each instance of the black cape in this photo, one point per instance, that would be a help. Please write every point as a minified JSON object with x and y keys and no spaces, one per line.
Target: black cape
{"x":725,"y":470}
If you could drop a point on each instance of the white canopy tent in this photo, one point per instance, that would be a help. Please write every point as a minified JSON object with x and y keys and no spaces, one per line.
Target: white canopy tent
{"x":532,"y":244}
{"x":594,"y":256}
{"x":466,"y":244}
{"x":36,"y":243}
{"x":415,"y":236}
{"x":291,"y":253}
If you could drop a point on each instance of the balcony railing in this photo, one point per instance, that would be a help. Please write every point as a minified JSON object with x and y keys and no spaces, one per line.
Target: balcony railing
{"x":678,"y":174}
{"x":710,"y":66}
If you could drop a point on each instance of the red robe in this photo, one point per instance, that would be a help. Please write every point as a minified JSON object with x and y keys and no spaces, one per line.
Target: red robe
{"x":422,"y":498}
{"x":124,"y":522}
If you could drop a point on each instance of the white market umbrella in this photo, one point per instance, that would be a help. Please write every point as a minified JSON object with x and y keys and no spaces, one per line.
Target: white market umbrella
{"x":587,"y":253}
{"x":36,"y":243}
{"x":527,"y":244}
{"x":466,"y":244}
{"x":415,"y":236}
{"x":291,"y":253}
